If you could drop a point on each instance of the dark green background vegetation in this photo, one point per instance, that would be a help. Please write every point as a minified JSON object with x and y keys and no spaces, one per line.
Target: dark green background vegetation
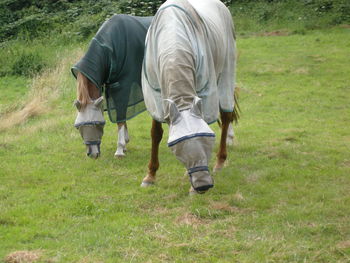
{"x":39,"y":18}
{"x":68,"y":21}
{"x":63,"y":22}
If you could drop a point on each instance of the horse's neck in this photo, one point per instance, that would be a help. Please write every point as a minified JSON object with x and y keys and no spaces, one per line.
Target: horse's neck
{"x":93,"y":91}
{"x":87,"y":91}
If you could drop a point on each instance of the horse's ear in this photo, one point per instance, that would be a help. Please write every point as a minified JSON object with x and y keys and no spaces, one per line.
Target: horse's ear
{"x":77,"y":104}
{"x":98,"y":102}
{"x":174,"y":114}
{"x":196,"y":109}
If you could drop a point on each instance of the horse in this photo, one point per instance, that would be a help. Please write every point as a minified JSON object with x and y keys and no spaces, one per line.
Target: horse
{"x":188,"y":80}
{"x":111,"y":68}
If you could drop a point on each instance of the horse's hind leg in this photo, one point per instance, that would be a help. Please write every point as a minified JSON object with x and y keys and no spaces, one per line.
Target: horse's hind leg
{"x":123,"y":139}
{"x":226,"y":119}
{"x":127,"y":138}
{"x":230,"y":135}
{"x":153,"y":165}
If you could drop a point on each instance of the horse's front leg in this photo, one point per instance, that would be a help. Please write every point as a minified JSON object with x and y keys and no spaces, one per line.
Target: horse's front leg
{"x":153,"y":165}
{"x":226,"y":119}
{"x":123,"y":139}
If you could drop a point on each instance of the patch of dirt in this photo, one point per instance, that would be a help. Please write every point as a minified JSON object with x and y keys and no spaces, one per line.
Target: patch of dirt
{"x":253,"y":177}
{"x":23,"y":256}
{"x":224,"y":207}
{"x":290,"y":139}
{"x":275,"y":33}
{"x":89,"y":260}
{"x":344,"y":26}
{"x":302,"y":71}
{"x":190,"y":220}
{"x":238,"y":196}
{"x":317,"y":58}
{"x":6,"y":146}
{"x":346,"y":163}
{"x":228,"y":232}
{"x":6,"y":222}
{"x":344,"y":244}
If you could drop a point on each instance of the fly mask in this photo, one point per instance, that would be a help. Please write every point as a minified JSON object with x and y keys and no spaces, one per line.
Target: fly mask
{"x":90,"y":123}
{"x":192,"y":141}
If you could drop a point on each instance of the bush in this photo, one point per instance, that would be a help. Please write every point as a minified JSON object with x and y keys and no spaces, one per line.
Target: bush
{"x":339,"y":9}
{"x":28,"y":64}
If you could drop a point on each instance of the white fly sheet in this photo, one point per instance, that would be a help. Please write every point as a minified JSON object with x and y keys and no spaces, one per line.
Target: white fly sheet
{"x":190,"y":51}
{"x":188,"y":76}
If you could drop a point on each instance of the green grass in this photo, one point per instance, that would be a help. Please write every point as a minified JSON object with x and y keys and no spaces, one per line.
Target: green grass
{"x":284,"y":196}
{"x":14,"y":89}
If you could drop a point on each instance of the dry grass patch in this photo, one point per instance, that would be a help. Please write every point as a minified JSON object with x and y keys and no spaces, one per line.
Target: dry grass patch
{"x":344,"y":244}
{"x":23,"y":256}
{"x":45,"y":87}
{"x":253,"y":177}
{"x":190,"y":220}
{"x":224,"y":207}
{"x":275,"y":33}
{"x":89,"y":260}
{"x":302,"y":71}
{"x":346,"y":163}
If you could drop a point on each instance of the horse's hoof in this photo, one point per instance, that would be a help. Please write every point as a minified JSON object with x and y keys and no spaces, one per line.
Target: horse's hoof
{"x":147,"y":184}
{"x":193,"y":192}
{"x":217,"y":168}
{"x":119,"y":155}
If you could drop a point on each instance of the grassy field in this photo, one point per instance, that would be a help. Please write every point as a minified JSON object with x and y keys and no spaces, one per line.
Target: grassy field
{"x":283,"y":197}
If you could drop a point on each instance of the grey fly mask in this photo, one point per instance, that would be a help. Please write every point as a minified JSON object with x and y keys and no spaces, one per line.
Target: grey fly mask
{"x":90,"y":123}
{"x":192,"y":141}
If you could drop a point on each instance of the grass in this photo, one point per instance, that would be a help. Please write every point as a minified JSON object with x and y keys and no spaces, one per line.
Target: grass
{"x":15,"y":87}
{"x":283,"y":197}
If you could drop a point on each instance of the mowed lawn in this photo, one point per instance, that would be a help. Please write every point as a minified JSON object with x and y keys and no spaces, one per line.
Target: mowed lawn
{"x":283,"y":197}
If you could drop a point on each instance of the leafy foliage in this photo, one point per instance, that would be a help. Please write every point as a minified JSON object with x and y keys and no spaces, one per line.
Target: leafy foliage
{"x":28,"y":64}
{"x":33,"y":18}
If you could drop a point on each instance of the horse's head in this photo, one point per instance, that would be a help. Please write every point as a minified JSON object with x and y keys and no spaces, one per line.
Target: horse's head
{"x":192,"y":141}
{"x":90,"y":123}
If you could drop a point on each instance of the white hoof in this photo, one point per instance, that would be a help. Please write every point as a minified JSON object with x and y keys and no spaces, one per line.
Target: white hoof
{"x":119,"y":154}
{"x":147,"y":184}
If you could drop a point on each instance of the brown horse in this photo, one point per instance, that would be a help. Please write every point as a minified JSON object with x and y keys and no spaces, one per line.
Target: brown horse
{"x":112,"y":67}
{"x":188,"y":80}
{"x":87,"y":93}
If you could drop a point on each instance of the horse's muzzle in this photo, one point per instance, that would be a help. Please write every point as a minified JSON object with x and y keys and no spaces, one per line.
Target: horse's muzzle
{"x":93,"y":150}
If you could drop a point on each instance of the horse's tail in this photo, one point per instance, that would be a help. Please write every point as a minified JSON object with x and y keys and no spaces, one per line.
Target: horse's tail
{"x":236,"y":110}
{"x":83,"y":90}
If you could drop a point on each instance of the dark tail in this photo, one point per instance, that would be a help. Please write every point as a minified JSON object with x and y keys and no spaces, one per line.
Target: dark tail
{"x":236,"y":109}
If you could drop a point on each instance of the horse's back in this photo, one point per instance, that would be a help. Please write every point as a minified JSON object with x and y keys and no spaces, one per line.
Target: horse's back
{"x":218,"y":24}
{"x":190,"y":38}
